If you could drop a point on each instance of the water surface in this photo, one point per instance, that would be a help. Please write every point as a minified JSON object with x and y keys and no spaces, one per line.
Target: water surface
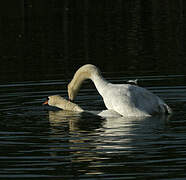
{"x":39,"y":141}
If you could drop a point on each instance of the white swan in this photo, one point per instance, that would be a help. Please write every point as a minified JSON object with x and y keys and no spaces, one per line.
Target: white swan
{"x":61,"y":103}
{"x":125,"y":99}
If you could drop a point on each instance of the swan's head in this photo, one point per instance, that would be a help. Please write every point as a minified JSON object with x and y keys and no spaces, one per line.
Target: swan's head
{"x":52,"y":100}
{"x":61,"y":103}
{"x":72,"y":92}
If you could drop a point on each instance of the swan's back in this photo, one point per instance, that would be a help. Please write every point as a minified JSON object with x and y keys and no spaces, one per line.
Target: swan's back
{"x":132,"y":100}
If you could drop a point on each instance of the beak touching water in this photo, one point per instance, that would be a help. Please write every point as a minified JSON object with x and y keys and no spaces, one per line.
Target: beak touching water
{"x":71,"y":95}
{"x":70,"y":100}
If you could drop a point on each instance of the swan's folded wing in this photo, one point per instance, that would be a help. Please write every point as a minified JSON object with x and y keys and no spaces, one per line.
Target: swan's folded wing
{"x":148,"y":102}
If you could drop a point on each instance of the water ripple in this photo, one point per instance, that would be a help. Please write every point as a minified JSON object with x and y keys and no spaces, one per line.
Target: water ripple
{"x":40,"y":142}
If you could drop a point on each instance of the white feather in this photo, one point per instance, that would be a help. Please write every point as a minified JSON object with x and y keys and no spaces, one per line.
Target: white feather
{"x":125,"y":99}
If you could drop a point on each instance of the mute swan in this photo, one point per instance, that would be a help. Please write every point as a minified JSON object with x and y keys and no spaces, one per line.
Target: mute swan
{"x":61,"y":103}
{"x":125,"y":99}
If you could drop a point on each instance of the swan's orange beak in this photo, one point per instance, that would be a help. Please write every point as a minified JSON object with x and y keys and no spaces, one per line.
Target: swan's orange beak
{"x":46,"y":102}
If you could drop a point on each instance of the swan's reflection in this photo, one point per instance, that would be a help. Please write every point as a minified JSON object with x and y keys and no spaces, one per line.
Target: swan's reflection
{"x":92,"y":139}
{"x":125,"y":133}
{"x":80,"y":126}
{"x":77,"y":121}
{"x":111,"y":132}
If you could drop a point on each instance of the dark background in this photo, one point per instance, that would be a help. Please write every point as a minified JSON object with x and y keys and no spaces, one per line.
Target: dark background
{"x":40,"y":38}
{"x":43,"y":42}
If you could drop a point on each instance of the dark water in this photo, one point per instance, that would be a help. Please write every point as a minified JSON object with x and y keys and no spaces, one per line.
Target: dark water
{"x":38,"y":141}
{"x":42,"y":45}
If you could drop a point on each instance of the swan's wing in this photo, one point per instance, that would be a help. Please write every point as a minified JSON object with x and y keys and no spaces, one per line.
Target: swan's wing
{"x":133,"y":100}
{"x":147,"y":101}
{"x":121,"y":99}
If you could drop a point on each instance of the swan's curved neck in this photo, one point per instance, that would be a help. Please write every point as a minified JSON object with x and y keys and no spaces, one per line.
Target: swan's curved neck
{"x":99,"y":82}
{"x":77,"y":80}
{"x":88,"y":72}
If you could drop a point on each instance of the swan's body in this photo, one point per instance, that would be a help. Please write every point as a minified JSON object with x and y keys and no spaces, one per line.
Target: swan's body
{"x":125,"y":99}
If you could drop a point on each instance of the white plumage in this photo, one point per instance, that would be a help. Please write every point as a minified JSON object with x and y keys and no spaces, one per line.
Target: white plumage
{"x":125,"y":99}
